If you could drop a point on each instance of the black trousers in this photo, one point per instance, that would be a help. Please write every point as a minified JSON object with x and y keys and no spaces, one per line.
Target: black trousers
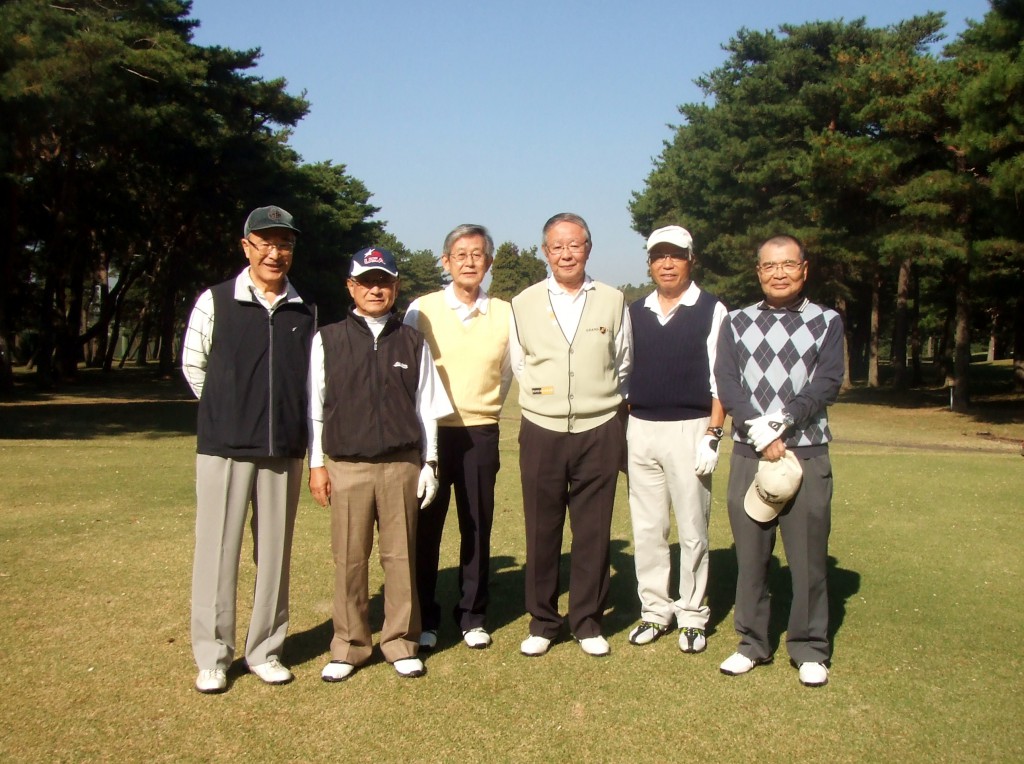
{"x":468,"y":462}
{"x":578,"y":472}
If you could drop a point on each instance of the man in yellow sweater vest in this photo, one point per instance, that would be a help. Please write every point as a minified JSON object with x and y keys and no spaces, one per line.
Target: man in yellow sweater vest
{"x":468,"y":336}
{"x":570,"y":348}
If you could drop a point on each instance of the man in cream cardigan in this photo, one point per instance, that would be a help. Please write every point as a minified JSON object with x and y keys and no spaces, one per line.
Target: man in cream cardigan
{"x":570,"y":349}
{"x":468,"y":336}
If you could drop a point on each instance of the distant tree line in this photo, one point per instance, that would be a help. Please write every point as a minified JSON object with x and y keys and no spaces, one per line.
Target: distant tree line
{"x":129,"y":158}
{"x":901,"y":170}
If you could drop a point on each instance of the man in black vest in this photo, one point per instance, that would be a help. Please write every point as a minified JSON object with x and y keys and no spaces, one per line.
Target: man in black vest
{"x":245,"y":357}
{"x":375,"y":398}
{"x":675,"y":425}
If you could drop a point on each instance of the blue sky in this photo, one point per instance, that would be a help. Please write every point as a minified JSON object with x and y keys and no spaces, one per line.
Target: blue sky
{"x":506,"y":113}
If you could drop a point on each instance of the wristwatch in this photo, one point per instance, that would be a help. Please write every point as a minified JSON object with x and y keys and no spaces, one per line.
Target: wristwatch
{"x":718,"y":432}
{"x":787,"y":419}
{"x":433,"y":466}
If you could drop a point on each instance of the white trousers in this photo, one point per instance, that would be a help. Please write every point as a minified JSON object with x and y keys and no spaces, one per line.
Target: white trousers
{"x":662,"y":480}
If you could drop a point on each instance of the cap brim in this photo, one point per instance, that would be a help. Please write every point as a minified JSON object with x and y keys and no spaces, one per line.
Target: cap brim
{"x":757,"y":508}
{"x":359,"y":270}
{"x":275,"y":225}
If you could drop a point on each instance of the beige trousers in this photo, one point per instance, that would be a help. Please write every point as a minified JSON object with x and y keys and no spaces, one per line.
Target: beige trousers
{"x":363,"y":494}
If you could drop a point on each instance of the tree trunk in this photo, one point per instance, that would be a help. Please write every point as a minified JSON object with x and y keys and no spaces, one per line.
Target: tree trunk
{"x":128,"y":345}
{"x":841,"y":308}
{"x":142,"y":357}
{"x":1018,"y":346}
{"x":962,"y":353}
{"x":915,"y":330}
{"x":43,"y":355}
{"x":6,"y":367}
{"x":873,"y":341}
{"x":993,"y":335}
{"x":900,"y":378}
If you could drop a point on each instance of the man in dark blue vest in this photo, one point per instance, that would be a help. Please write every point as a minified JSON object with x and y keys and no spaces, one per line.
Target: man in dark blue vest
{"x":675,"y":425}
{"x":245,"y":356}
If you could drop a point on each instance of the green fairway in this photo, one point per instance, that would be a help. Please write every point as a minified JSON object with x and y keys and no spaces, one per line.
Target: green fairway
{"x":96,"y":534}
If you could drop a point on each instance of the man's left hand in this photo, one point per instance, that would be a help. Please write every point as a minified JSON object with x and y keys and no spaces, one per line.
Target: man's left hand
{"x":427,"y":488}
{"x":764,"y":429}
{"x":707,"y":455}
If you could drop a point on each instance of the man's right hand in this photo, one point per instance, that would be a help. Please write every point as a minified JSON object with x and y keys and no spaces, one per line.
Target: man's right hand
{"x":774,"y":450}
{"x":320,"y":485}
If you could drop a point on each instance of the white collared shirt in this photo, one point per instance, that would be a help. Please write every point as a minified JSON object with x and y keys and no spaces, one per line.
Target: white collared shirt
{"x":568,"y":310}
{"x":431,"y":398}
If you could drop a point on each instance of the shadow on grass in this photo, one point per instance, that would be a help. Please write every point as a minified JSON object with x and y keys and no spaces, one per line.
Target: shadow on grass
{"x":842,"y":585}
{"x":507,"y":598}
{"x":96,"y":405}
{"x":508,"y":582}
{"x":993,"y":400}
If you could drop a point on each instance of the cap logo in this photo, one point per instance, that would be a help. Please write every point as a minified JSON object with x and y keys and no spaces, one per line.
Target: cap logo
{"x":766,"y":496}
{"x":373,"y":256}
{"x":274,"y":213}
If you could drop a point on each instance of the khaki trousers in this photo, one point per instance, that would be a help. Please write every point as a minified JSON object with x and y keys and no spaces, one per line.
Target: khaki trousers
{"x":364,"y":493}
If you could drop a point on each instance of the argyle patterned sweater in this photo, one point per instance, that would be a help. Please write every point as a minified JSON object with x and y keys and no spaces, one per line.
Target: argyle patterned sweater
{"x":771,"y":359}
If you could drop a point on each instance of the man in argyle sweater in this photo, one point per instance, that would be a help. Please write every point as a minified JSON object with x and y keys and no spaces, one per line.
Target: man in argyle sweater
{"x":779,"y":365}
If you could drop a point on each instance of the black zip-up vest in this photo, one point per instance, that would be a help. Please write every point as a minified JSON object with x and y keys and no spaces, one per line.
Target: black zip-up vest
{"x":370,"y":395}
{"x":254,"y":400}
{"x":670,"y":379}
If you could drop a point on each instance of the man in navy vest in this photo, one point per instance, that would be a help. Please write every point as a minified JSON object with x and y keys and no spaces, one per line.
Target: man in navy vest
{"x":245,"y":356}
{"x":675,"y":425}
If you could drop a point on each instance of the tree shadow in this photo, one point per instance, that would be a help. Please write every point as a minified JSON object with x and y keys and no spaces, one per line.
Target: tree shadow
{"x":305,"y":646}
{"x":507,"y":598}
{"x":507,"y":585}
{"x":97,"y":405}
{"x":842,"y":585}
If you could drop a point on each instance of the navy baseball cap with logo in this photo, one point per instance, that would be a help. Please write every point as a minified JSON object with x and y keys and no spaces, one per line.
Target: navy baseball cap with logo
{"x":262,"y":218}
{"x":373,"y":259}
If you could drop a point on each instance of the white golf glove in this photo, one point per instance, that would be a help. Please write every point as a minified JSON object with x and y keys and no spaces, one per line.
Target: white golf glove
{"x":427,"y":487}
{"x":764,"y":429}
{"x":707,"y":455}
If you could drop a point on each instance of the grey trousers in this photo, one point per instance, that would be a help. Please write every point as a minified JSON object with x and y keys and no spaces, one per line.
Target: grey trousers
{"x":224,"y":490}
{"x":805,"y":524}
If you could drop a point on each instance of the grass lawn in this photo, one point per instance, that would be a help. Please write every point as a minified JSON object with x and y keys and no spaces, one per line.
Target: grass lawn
{"x":96,"y":534}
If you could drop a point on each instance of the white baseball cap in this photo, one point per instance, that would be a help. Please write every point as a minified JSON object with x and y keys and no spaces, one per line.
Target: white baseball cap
{"x":774,"y":485}
{"x":671,"y":234}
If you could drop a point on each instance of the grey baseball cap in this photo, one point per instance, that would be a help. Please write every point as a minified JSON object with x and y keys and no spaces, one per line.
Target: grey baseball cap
{"x":262,"y":218}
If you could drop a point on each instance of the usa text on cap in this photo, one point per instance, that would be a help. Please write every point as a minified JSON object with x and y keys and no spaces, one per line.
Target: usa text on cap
{"x":373,"y":259}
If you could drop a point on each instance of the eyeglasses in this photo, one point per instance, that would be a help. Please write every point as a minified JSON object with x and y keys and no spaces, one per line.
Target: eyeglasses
{"x":574,"y":247}
{"x":788,"y":267}
{"x":382,"y":280}
{"x":656,"y":257}
{"x":459,"y":259}
{"x":264,"y":247}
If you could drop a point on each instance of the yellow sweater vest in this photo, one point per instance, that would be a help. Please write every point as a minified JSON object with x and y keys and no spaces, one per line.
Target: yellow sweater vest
{"x":563,"y":387}
{"x":468,"y":357}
